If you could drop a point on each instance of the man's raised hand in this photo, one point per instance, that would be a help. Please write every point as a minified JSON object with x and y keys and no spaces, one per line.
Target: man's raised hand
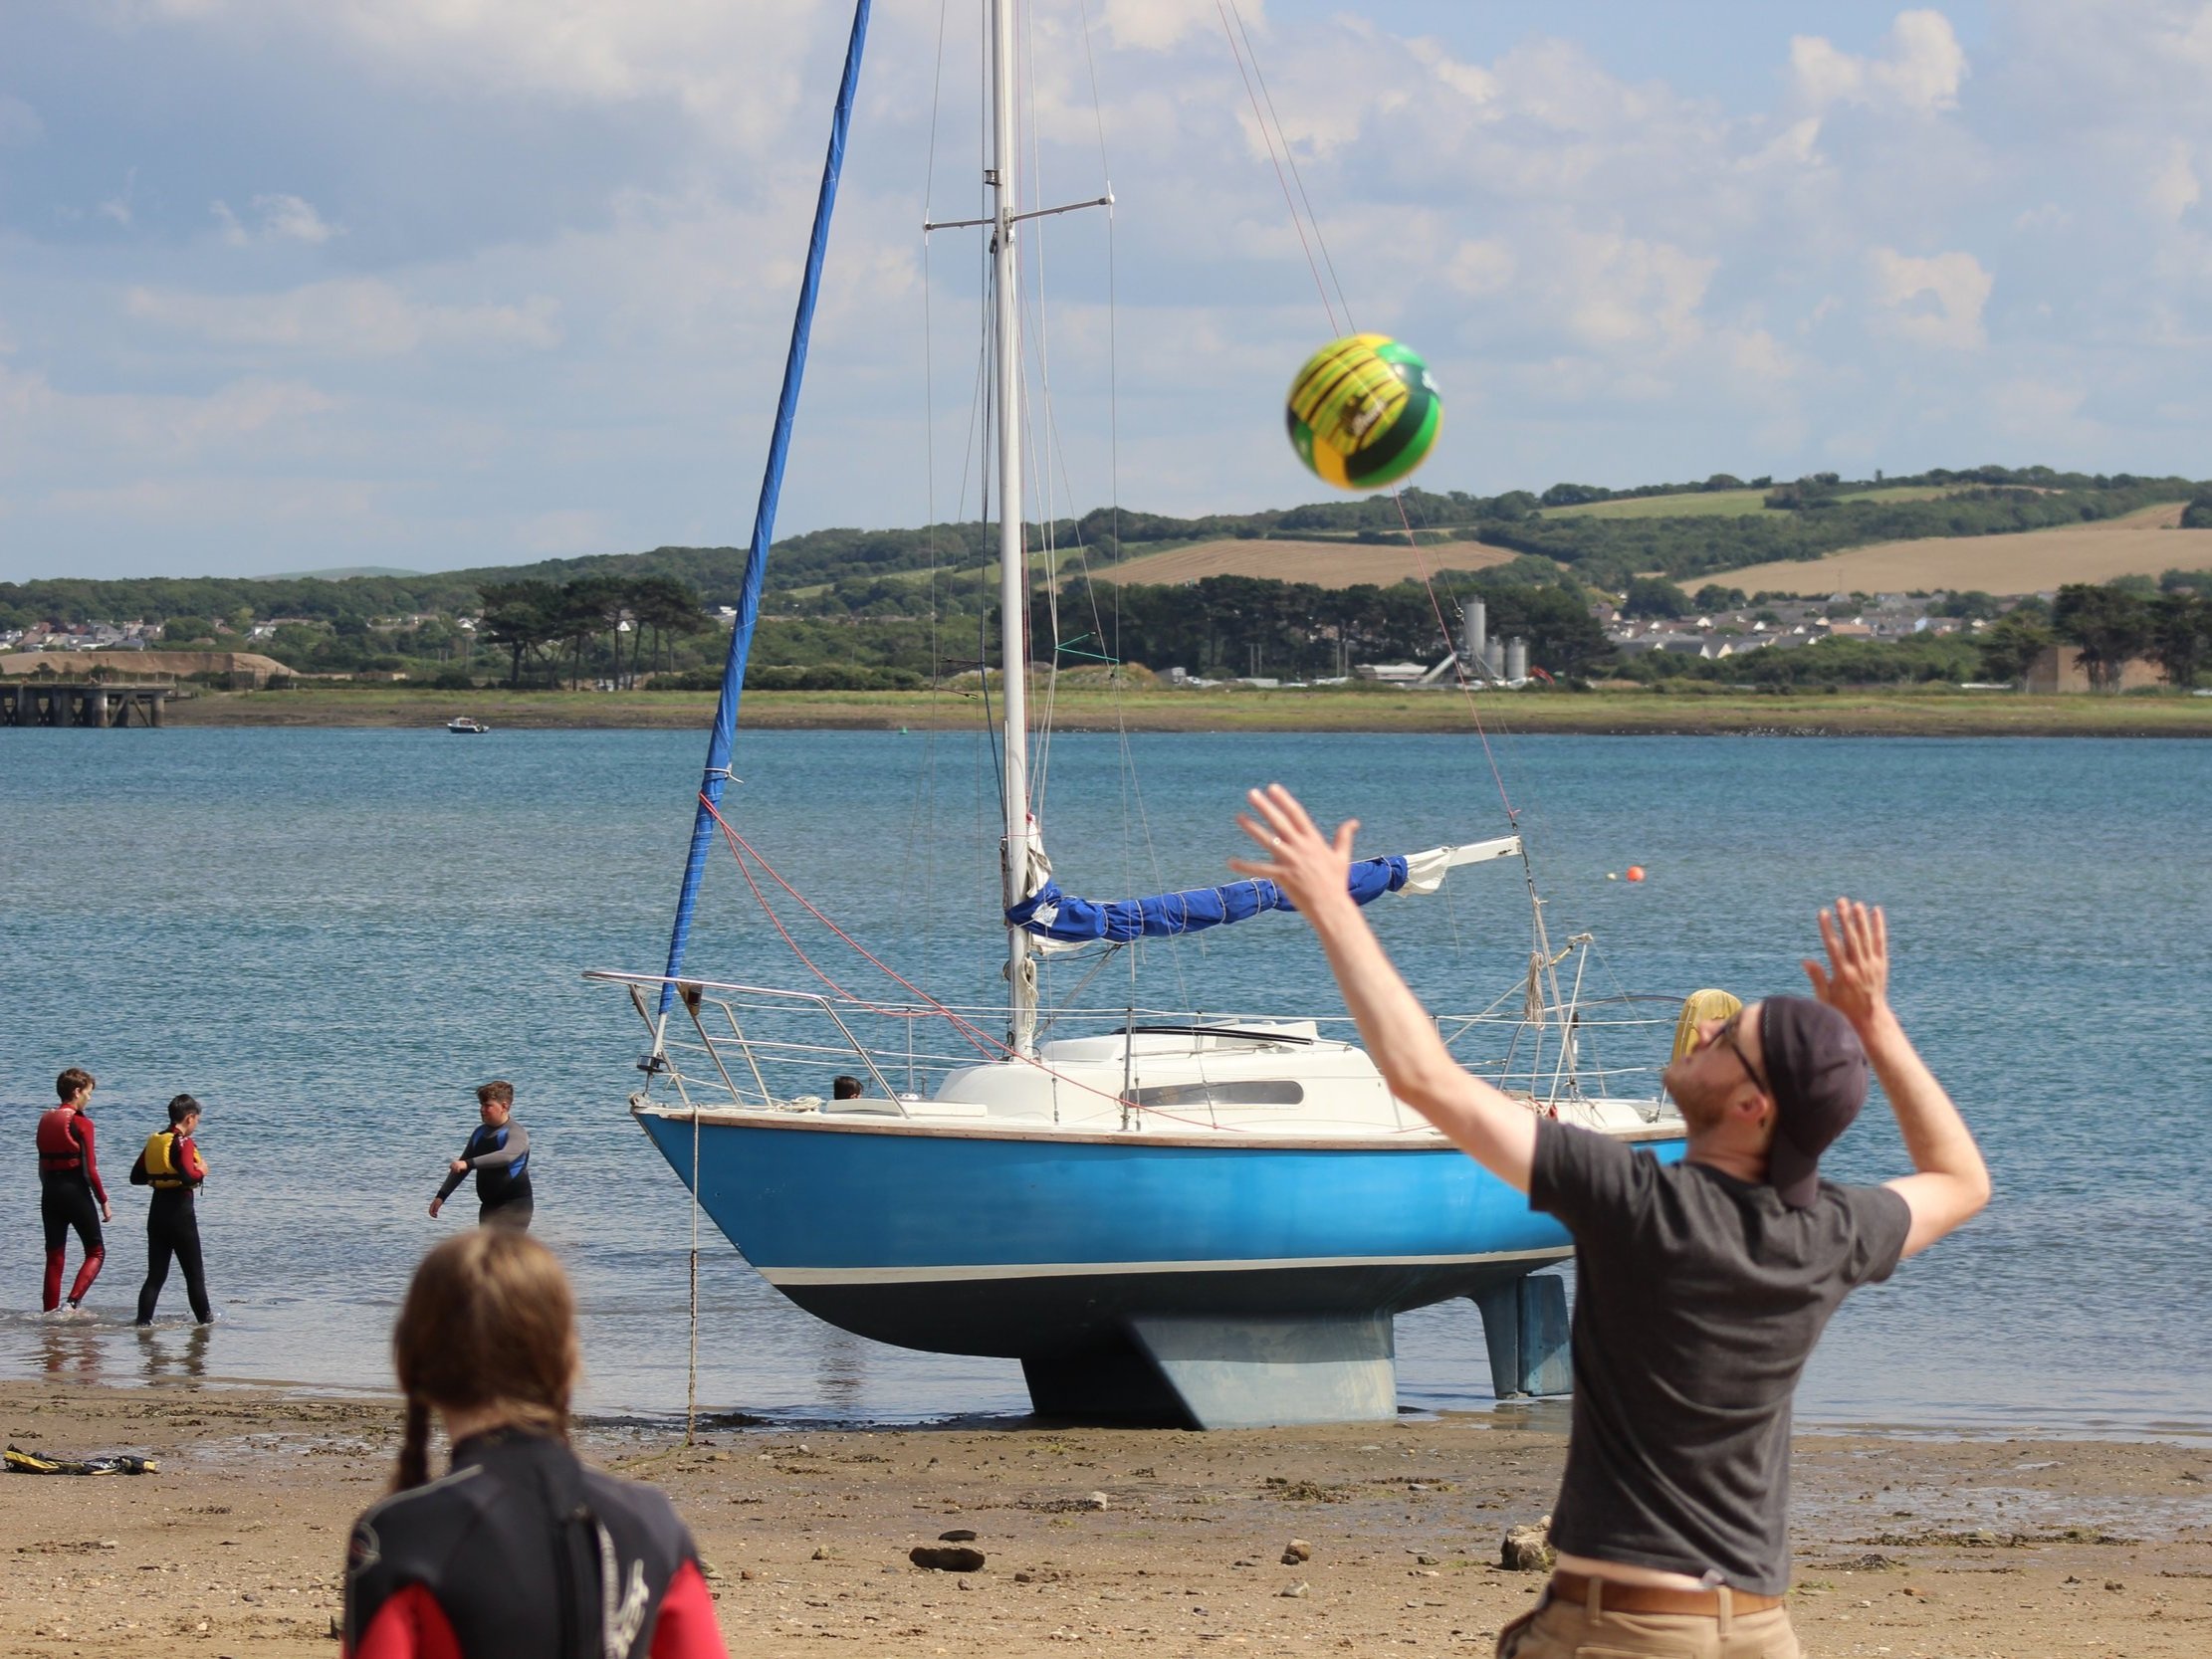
{"x":1855,"y":981}
{"x":1307,"y":866}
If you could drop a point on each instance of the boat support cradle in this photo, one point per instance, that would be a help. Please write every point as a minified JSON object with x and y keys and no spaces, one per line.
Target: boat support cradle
{"x":1205,"y":1371}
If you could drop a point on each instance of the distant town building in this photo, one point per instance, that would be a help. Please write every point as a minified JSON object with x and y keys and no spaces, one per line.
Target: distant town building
{"x":2058,"y":669}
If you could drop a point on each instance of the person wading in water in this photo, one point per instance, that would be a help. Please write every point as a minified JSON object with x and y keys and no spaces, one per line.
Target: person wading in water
{"x":1702,"y":1286}
{"x":520,"y":1552}
{"x":499,"y":1151}
{"x":171,"y":1164}
{"x":68,"y":1186}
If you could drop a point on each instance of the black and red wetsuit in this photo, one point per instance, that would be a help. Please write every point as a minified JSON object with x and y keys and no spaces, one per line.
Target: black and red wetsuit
{"x":68,"y":1186}
{"x":521,"y":1552}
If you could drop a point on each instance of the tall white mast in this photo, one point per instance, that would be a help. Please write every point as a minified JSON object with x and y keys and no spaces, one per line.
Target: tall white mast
{"x":1013,"y":573}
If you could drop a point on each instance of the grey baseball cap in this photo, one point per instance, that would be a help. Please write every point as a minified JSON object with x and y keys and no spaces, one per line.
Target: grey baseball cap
{"x":1816,"y":1071}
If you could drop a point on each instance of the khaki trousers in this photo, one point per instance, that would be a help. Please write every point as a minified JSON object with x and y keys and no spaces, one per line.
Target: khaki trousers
{"x":1589,"y":1630}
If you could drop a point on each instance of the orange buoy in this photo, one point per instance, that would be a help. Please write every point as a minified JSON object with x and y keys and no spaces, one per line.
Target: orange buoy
{"x":1635,"y":872}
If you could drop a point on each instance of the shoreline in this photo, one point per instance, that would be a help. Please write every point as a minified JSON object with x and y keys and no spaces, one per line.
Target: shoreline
{"x":1120,"y":1540}
{"x":1884,"y":714}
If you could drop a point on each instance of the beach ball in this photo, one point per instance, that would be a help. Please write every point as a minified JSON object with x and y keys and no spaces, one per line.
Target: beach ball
{"x":1363,"y":411}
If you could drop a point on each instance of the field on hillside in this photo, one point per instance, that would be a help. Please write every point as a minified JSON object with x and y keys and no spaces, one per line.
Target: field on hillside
{"x":1726,"y":503}
{"x":2144,"y":544}
{"x":1324,"y":563}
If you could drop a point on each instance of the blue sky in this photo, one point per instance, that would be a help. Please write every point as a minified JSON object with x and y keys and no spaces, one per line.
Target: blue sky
{"x":433,"y":283}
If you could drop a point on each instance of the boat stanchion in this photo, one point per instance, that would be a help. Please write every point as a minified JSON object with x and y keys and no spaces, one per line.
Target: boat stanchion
{"x":1525,"y":1328}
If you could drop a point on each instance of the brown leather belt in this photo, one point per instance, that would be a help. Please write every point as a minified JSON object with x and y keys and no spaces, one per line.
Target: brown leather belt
{"x":1656,"y":1598}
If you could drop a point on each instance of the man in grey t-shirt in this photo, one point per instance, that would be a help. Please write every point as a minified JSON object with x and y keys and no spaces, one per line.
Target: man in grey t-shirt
{"x":1702,"y":1286}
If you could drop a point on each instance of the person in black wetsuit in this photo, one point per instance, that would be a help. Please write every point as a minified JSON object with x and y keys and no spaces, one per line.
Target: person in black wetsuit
{"x":499,"y":1152}
{"x":520,"y":1552}
{"x":71,"y":1194}
{"x":171,"y":1164}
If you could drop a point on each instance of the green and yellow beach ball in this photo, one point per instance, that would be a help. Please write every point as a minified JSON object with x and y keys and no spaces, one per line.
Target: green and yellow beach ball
{"x":1363,"y":411}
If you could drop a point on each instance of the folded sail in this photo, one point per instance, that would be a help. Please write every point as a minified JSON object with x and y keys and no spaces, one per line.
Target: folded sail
{"x":1061,"y":922}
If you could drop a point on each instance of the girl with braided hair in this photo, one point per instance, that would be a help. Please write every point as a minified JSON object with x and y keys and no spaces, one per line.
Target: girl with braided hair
{"x":520,"y":1550}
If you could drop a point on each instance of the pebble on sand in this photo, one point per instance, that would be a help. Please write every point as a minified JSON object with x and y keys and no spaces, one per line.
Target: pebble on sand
{"x":1296,"y":1550}
{"x":1527,"y":1549}
{"x":947,"y":1558}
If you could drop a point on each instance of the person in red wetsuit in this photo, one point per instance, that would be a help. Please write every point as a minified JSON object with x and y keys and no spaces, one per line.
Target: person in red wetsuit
{"x":68,"y":1186}
{"x":520,"y":1552}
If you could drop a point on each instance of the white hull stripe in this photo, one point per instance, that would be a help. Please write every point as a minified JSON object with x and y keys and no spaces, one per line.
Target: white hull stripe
{"x":960,"y":1274}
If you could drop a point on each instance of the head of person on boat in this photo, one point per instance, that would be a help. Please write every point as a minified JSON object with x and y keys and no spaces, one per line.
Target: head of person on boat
{"x":842,"y":1088}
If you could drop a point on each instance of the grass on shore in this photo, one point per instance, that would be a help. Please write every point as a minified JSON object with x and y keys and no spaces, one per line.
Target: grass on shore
{"x":1904,"y":712}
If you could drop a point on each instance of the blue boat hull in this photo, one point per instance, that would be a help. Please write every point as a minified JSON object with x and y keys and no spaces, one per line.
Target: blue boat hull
{"x":1045,"y":1248}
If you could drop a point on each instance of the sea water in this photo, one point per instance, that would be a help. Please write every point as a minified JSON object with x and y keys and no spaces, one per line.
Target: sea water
{"x":329,"y":938}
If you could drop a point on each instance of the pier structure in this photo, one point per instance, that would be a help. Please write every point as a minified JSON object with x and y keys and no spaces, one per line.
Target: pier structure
{"x":80,"y":703}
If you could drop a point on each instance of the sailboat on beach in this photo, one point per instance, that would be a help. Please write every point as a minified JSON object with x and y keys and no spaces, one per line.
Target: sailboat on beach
{"x":1167,"y":1216}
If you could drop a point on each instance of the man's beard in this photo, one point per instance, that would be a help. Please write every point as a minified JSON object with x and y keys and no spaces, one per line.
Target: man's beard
{"x":1699,"y":1111}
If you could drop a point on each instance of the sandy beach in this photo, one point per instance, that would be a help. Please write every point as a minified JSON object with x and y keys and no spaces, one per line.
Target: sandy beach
{"x":1105,"y":1542}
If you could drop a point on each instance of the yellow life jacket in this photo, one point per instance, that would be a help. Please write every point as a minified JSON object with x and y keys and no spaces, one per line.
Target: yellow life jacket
{"x":162,"y":1169}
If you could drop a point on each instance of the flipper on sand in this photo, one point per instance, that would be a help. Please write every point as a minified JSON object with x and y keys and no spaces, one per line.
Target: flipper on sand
{"x":21,"y":1462}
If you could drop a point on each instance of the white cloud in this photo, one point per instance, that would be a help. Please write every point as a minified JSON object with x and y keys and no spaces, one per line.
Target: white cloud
{"x":1758,"y":356}
{"x":281,"y":219}
{"x":354,"y":318}
{"x":2174,"y":189}
{"x":118,"y":208}
{"x":1616,"y":276}
{"x":711,"y":58}
{"x":41,"y":426}
{"x":1931,"y":302}
{"x":287,"y":218}
{"x":1618,"y":291}
{"x":1919,"y":72}
{"x":1158,"y":25}
{"x":1481,"y":269}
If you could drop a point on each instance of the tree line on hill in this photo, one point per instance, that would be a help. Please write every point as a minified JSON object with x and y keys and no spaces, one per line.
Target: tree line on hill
{"x":877,"y":606}
{"x":850,"y":568}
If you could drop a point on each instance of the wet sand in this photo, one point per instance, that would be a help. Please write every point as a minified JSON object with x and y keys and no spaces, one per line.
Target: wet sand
{"x":1102,"y":1542}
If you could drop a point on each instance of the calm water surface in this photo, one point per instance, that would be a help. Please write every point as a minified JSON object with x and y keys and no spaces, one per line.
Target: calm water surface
{"x":330,"y":937}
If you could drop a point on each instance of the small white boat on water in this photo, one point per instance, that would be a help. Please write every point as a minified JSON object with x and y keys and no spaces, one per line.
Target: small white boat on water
{"x":462,"y":727}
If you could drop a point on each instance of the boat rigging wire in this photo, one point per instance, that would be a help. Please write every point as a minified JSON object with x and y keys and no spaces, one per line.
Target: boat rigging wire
{"x":1268,"y":134}
{"x":1290,"y":157}
{"x":992,"y":1048}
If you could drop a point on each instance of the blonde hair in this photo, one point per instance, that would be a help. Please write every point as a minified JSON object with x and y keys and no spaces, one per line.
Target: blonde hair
{"x":489,"y":1322}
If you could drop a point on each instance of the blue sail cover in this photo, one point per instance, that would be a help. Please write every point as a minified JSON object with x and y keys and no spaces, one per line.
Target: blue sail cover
{"x":1052,"y":914}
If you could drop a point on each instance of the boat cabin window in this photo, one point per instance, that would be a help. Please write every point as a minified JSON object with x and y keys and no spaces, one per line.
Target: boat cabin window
{"x":1268,"y":1091}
